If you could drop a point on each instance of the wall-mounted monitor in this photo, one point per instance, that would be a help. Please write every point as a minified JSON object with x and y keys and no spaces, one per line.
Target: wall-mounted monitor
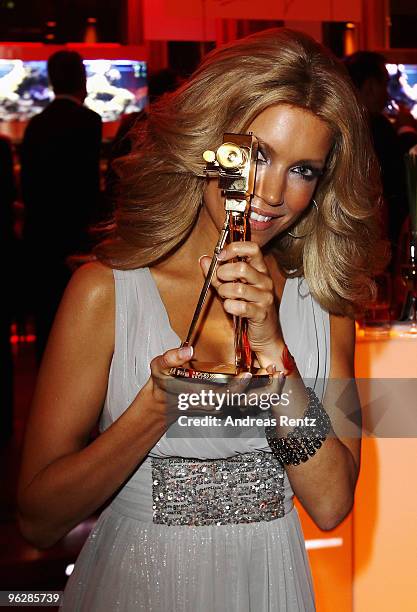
{"x":115,"y":87}
{"x":402,"y":87}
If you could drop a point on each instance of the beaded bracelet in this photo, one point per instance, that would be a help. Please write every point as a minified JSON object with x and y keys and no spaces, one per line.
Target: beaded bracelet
{"x":303,"y":442}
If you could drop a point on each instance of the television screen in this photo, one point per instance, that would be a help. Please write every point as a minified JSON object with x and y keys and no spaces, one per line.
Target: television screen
{"x":402,"y":87}
{"x":114,"y":87}
{"x":24,"y":89}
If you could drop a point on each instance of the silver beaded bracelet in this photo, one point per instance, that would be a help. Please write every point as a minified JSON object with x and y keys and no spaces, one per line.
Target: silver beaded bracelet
{"x":303,"y":442}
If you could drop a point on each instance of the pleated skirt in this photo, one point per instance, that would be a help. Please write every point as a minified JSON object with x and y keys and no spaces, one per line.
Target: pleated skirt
{"x":127,"y":565}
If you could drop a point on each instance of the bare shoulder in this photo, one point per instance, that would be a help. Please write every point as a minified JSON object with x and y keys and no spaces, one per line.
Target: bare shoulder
{"x":90,"y":290}
{"x":94,"y":281}
{"x":86,"y":311}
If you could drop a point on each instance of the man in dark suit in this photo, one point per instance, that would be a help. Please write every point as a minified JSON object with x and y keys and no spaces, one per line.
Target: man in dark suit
{"x":60,"y":158}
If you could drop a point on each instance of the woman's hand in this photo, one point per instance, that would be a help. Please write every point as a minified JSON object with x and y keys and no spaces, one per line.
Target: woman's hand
{"x":168,"y":395}
{"x":162,"y":389}
{"x":248,"y":291}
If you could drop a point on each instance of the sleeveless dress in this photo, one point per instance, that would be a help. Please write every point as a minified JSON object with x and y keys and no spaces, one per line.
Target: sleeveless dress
{"x":204,"y":524}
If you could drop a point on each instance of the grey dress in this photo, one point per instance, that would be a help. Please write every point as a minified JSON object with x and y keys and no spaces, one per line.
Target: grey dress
{"x":204,"y":524}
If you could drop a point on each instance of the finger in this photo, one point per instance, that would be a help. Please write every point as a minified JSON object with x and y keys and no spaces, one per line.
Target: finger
{"x":205,"y":261}
{"x":239,"y":386}
{"x":276,"y":374}
{"x":268,"y":381}
{"x":277,"y":378}
{"x":173,"y":358}
{"x":262,"y":372}
{"x":255,"y":312}
{"x":244,"y":271}
{"x":240,"y":271}
{"x":241,"y":381}
{"x":249,"y":250}
{"x":243,"y":291}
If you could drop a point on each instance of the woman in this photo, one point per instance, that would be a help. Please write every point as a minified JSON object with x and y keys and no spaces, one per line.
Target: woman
{"x":185,"y":529}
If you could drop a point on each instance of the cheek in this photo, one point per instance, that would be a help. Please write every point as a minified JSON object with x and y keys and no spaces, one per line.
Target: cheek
{"x":300,"y":195}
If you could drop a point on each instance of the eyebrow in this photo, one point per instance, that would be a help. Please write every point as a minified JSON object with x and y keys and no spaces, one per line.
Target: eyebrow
{"x":321,"y":162}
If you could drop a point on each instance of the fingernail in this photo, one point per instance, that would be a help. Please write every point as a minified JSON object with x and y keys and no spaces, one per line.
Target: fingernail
{"x":282,"y":377}
{"x":222,"y":254}
{"x":246,"y":375}
{"x":272,"y":368}
{"x":201,"y":257}
{"x":185,"y":352}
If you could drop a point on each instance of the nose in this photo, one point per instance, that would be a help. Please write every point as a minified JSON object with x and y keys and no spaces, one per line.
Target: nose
{"x":270,"y":187}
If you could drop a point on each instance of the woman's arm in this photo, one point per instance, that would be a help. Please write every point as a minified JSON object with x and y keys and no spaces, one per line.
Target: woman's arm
{"x":62,"y":480}
{"x":325,"y":484}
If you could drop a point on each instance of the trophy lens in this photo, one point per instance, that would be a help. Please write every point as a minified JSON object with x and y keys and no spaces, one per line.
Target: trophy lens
{"x":230,"y":156}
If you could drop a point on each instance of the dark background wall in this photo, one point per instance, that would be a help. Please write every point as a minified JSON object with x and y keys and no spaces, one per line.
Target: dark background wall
{"x":403,"y":23}
{"x":25,"y":20}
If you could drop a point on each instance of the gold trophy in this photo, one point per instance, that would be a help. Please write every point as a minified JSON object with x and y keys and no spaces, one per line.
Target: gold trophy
{"x":234,"y":163}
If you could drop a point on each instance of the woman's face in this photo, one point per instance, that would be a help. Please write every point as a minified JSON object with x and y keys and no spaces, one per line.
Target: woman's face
{"x":293,"y":147}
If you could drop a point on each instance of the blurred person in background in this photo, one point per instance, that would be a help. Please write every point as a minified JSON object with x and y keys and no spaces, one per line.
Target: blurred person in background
{"x":370,"y":77}
{"x":60,"y":159}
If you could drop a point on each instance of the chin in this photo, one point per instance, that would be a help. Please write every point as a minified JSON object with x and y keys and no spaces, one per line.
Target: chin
{"x":261,"y":240}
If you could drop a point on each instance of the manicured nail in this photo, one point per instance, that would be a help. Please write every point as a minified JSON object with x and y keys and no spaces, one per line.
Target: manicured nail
{"x":201,"y":257}
{"x":185,"y":352}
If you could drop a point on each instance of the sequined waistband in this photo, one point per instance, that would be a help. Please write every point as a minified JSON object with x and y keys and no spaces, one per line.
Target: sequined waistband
{"x":245,"y":488}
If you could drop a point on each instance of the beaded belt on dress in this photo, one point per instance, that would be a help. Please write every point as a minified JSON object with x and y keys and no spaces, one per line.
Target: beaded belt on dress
{"x":245,"y":488}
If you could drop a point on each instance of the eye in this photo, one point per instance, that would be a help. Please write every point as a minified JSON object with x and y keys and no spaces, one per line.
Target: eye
{"x":307,"y":173}
{"x":261,"y":157}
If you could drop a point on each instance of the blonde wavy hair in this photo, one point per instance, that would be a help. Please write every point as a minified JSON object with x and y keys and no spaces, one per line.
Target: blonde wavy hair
{"x":161,"y":182}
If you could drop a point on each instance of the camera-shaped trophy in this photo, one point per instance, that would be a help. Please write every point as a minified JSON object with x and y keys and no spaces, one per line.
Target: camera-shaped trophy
{"x":234,"y":163}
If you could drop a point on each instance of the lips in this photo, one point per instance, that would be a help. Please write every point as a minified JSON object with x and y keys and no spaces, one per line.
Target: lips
{"x":258,"y":217}
{"x":259,"y":220}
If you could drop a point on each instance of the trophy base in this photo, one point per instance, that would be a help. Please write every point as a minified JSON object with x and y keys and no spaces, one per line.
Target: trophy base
{"x":219,"y":373}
